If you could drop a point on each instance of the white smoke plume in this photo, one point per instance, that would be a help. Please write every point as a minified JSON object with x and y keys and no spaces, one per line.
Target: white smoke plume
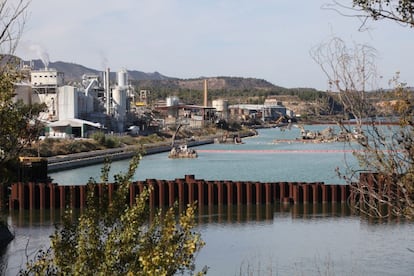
{"x":104,"y":59}
{"x":41,"y":53}
{"x":33,"y":49}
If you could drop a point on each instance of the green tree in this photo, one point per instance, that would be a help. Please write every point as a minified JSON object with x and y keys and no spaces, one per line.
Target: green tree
{"x":18,"y":124}
{"x":112,"y":238}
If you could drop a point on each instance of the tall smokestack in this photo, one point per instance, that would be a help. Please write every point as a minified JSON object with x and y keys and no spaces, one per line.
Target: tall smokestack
{"x":205,"y":93}
{"x":107,"y":91}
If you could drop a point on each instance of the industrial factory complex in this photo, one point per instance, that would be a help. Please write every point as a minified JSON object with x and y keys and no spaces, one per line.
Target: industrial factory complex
{"x":98,"y":103}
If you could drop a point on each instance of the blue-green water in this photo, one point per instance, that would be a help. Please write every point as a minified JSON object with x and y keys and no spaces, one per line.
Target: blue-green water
{"x":258,"y":159}
{"x":258,"y":240}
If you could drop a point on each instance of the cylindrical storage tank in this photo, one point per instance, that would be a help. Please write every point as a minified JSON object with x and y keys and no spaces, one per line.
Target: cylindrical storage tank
{"x":119,"y":105}
{"x":119,"y":100}
{"x":220,"y":105}
{"x":123,"y":78}
{"x":172,"y":101}
{"x":222,"y":108}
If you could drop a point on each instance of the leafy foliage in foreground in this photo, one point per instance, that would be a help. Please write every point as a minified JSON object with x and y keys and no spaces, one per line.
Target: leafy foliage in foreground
{"x":19,"y":126}
{"x":112,"y":238}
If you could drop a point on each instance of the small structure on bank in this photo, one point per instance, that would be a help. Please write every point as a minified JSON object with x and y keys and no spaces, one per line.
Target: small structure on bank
{"x":329,"y":135}
{"x":181,"y":151}
{"x":229,"y":139}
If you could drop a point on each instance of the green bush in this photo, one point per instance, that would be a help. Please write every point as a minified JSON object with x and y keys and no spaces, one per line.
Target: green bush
{"x":113,"y":238}
{"x":112,"y":142}
{"x":99,"y":137}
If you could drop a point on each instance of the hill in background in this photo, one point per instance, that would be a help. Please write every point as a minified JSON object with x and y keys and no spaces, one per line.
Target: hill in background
{"x":234,"y":89}
{"x":73,"y":73}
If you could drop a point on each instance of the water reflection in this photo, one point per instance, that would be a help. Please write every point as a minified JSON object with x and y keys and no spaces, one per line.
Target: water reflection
{"x":220,"y":214}
{"x":233,"y":233}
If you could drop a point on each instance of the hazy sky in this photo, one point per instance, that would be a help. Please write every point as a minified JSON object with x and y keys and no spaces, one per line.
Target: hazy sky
{"x":266,"y":39}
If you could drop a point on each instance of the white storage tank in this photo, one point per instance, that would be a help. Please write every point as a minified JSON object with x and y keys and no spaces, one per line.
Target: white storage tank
{"x":220,"y":105}
{"x":123,"y":78}
{"x":119,"y":106}
{"x":119,"y":100}
{"x":222,"y":108}
{"x":172,"y":101}
{"x":67,"y":102}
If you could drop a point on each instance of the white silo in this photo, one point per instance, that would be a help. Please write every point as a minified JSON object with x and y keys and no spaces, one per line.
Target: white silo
{"x":123,"y":78}
{"x":222,"y":107}
{"x":67,"y":102}
{"x":172,"y":101}
{"x":119,"y":106}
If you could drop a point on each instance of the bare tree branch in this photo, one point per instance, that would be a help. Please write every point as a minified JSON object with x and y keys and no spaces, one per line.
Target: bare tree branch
{"x":399,"y":11}
{"x":12,"y":20}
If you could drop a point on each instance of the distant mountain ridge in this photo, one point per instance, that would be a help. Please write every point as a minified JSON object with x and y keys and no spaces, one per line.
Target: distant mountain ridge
{"x":73,"y":73}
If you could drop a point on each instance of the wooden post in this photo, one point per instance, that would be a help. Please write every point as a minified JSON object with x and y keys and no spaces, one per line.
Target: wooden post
{"x":259,"y":195}
{"x":239,"y":193}
{"x":171,"y":192}
{"x":62,"y":197}
{"x":31,"y":195}
{"x":305,"y":188}
{"x":190,"y":186}
{"x":72,"y":192}
{"x":248,"y":187}
{"x":82,"y":196}
{"x":210,"y":188}
{"x":268,"y":190}
{"x":42,"y":201}
{"x":324,"y":193}
{"x":219,"y":193}
{"x":181,"y":199}
{"x":161,"y":192}
{"x":201,"y":199}
{"x":52,"y":194}
{"x":229,"y":186}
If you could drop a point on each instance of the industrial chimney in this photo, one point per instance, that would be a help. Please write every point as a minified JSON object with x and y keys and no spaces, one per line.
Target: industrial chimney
{"x":107,"y":90}
{"x":205,"y":93}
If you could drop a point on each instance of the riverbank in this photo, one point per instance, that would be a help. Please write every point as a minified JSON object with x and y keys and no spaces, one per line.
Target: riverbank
{"x":76,"y":160}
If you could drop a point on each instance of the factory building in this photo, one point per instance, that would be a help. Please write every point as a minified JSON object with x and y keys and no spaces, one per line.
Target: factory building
{"x":265,"y":112}
{"x":222,"y":108}
{"x":94,"y":105}
{"x":193,"y":116}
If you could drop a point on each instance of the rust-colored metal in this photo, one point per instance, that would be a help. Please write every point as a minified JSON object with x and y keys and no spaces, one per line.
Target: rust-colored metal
{"x":186,"y":190}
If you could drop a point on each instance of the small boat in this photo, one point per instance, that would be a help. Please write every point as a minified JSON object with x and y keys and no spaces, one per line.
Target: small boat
{"x":182,"y":151}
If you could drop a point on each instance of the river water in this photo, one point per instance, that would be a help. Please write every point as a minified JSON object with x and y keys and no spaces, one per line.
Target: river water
{"x":257,"y":240}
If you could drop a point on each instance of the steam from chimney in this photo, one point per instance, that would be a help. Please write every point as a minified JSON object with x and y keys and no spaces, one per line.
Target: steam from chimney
{"x":41,"y":53}
{"x":104,"y":60}
{"x":33,"y":49}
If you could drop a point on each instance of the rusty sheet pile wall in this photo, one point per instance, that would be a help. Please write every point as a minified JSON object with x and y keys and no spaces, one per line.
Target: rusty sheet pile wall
{"x":186,"y":190}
